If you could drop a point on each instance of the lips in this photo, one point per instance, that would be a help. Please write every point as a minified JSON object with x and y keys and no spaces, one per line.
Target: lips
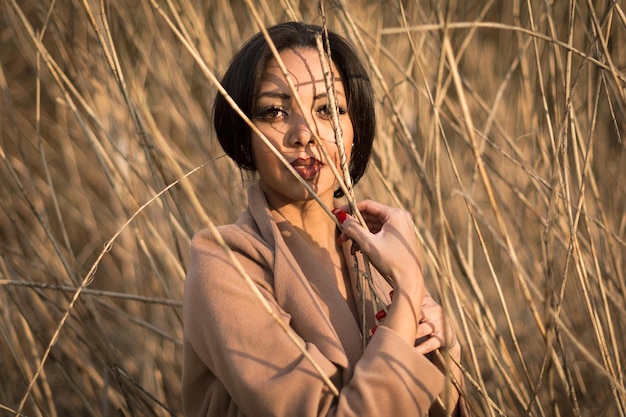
{"x":307,"y":168}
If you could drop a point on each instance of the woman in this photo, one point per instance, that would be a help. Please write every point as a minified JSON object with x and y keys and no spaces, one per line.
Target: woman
{"x":237,"y":359}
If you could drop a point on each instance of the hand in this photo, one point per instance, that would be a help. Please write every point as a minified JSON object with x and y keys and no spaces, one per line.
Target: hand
{"x":389,"y":240}
{"x":434,"y":330}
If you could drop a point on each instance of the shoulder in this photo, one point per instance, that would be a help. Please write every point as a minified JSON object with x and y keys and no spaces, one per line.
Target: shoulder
{"x":210,"y":261}
{"x":240,"y":238}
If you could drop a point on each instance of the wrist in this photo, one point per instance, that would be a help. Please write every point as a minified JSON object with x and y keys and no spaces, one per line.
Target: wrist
{"x":411,"y":290}
{"x":407,"y":277}
{"x":405,"y":311}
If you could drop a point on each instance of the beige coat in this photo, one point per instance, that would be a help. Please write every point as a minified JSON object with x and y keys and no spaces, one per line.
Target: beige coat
{"x":239,"y":362}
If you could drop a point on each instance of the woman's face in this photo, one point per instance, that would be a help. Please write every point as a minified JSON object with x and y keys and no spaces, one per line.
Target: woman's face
{"x":277,"y":115}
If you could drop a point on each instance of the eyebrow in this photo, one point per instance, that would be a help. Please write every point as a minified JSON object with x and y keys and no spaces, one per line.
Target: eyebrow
{"x":274,"y":94}
{"x":285,"y":96}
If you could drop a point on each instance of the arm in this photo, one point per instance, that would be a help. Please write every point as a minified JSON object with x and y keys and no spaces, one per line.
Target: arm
{"x":389,"y":240}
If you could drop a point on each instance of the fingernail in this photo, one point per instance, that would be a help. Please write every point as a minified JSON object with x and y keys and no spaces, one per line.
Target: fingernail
{"x":381,"y":315}
{"x":391,"y":294}
{"x":373,"y":330}
{"x":341,"y":215}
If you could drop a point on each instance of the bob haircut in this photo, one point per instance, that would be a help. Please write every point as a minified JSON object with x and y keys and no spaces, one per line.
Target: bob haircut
{"x":242,"y":78}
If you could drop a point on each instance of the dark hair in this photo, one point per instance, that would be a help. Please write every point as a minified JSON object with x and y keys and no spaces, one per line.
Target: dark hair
{"x":242,"y":78}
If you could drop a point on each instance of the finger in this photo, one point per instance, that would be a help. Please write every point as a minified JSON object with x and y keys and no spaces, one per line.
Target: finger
{"x":374,"y":222}
{"x":359,"y":234}
{"x":429,"y":344}
{"x":373,"y":209}
{"x":425,"y":329}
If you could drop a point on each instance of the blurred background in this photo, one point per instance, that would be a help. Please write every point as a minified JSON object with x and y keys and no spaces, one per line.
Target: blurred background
{"x":500,"y":127}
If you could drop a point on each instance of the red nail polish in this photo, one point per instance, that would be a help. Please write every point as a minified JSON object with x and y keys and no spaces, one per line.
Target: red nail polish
{"x":381,"y":315}
{"x":373,"y":330}
{"x":391,"y":294}
{"x":341,"y":216}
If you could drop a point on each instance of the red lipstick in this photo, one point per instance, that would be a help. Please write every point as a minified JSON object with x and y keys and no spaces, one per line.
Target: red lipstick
{"x":307,"y":168}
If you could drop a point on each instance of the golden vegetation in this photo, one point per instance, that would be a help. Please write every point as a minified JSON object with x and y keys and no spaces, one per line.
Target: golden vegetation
{"x":501,"y":127}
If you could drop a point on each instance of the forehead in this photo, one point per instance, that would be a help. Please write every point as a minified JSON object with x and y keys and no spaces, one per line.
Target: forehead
{"x":304,"y":68}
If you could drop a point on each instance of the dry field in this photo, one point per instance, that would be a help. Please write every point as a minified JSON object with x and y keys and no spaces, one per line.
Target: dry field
{"x":501,"y":127}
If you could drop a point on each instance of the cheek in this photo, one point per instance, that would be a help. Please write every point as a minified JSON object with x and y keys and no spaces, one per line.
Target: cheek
{"x":334,"y":151}
{"x":347,"y":133}
{"x":275,"y":134}
{"x":266,"y":162}
{"x":348,"y":140}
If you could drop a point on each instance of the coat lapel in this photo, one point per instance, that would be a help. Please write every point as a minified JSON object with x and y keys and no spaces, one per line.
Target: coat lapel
{"x":325,"y":295}
{"x":300,"y":291}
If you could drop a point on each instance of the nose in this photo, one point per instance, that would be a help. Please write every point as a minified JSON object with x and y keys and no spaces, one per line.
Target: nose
{"x":299,"y":132}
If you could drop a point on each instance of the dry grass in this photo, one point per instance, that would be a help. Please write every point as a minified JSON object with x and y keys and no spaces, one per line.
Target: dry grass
{"x":501,"y":128}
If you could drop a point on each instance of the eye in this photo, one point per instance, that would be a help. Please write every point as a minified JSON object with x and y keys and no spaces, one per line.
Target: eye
{"x":324,"y":111}
{"x":271,"y":113}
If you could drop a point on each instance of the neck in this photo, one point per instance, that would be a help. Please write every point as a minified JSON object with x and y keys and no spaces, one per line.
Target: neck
{"x":310,"y":220}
